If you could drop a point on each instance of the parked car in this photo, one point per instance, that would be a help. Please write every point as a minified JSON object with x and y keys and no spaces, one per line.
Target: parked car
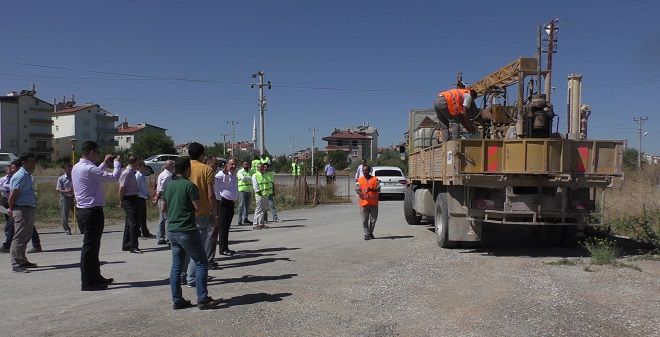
{"x":155,"y":163}
{"x":392,"y":180}
{"x":5,"y":160}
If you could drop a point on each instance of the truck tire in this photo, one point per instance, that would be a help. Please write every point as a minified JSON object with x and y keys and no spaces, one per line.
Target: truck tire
{"x":412,"y":218}
{"x":441,"y":222}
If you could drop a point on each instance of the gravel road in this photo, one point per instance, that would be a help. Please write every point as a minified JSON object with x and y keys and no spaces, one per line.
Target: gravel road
{"x":314,"y":275}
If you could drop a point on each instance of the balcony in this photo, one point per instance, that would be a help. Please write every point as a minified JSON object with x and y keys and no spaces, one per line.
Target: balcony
{"x":41,"y":149}
{"x":37,"y":121}
{"x":41,"y":135}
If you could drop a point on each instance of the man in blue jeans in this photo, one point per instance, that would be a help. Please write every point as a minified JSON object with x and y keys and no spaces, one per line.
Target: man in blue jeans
{"x":181,"y":201}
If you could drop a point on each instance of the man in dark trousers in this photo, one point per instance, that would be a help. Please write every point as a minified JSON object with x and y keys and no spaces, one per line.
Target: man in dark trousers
{"x":88,"y":191}
{"x":226,"y":194}
{"x":129,"y":198}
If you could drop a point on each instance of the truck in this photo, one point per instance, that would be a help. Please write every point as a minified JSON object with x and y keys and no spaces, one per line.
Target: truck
{"x":515,"y":170}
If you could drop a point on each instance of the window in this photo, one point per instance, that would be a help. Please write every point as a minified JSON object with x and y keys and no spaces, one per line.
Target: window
{"x":355,"y":143}
{"x":340,"y":143}
{"x":57,"y":128}
{"x":354,"y":153}
{"x":128,"y":139}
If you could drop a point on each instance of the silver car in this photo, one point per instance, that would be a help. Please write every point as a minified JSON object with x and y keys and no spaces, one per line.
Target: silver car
{"x":392,"y":180}
{"x":155,"y":163}
{"x":5,"y":160}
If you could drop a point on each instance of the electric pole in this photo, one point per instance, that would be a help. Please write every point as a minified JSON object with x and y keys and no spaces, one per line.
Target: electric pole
{"x":640,"y":120}
{"x":224,"y":144}
{"x":313,"y":146}
{"x":262,"y":108}
{"x":293,"y":147}
{"x":233,"y":136}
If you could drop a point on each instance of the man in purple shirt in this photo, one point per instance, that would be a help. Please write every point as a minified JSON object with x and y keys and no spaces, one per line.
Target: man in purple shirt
{"x":130,"y":199}
{"x":226,"y":193}
{"x":88,"y":191}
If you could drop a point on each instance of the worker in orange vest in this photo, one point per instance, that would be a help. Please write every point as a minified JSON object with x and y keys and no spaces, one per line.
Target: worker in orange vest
{"x":456,"y":105}
{"x":367,"y":188}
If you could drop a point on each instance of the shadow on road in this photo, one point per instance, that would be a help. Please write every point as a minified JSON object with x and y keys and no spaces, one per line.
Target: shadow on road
{"x":67,"y":266}
{"x":252,"y":299}
{"x":239,"y":256}
{"x":290,"y":220}
{"x":392,"y":237}
{"x":239,"y":230}
{"x":61,"y":250}
{"x":529,"y":251}
{"x":267,"y":250}
{"x":286,"y":226}
{"x":235,"y":242}
{"x":155,"y":249}
{"x":139,"y":284}
{"x":251,"y":278}
{"x":254,"y":262}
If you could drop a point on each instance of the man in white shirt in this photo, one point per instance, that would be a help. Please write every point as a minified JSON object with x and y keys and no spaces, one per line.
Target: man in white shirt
{"x":164,"y":178}
{"x":226,"y":194}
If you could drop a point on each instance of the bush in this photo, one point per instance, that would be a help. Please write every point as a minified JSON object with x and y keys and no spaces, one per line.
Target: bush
{"x":602,"y":251}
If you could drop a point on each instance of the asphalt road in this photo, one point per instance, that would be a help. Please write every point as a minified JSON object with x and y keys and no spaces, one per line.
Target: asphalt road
{"x":314,"y":275}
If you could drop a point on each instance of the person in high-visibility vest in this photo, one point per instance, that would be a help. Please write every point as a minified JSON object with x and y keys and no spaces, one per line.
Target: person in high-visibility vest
{"x":255,"y":165}
{"x":244,"y":176}
{"x":295,"y":170}
{"x":270,"y":177}
{"x":265,"y":159}
{"x":367,"y":188}
{"x":261,"y":188}
{"x":456,"y":105}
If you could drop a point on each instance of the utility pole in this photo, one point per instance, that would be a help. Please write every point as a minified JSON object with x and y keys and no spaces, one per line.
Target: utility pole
{"x":262,"y":108}
{"x":293,"y":147}
{"x":551,"y":29}
{"x":233,"y":136}
{"x":640,"y":120}
{"x":538,"y":66}
{"x":313,"y":146}
{"x":224,"y":145}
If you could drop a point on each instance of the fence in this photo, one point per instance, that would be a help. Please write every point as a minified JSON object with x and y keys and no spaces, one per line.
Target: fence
{"x":313,"y":189}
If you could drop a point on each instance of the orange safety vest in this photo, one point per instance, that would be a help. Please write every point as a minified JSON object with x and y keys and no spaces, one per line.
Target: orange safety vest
{"x":371,"y":197}
{"x":454,"y":99}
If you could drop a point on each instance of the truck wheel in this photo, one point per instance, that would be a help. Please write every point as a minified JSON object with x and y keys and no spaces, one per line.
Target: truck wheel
{"x":441,"y":221}
{"x":412,"y":218}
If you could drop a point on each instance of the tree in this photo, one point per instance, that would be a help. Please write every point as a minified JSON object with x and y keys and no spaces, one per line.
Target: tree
{"x":630,"y":156}
{"x":391,"y":157}
{"x":339,"y":159}
{"x":153,"y":143}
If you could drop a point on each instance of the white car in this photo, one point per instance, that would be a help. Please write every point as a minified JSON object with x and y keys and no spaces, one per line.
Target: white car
{"x":392,"y":180}
{"x":5,"y":160}
{"x":155,"y":163}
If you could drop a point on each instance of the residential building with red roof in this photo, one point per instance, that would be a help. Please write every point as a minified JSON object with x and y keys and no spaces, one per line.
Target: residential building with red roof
{"x":127,"y":134}
{"x":81,"y":123}
{"x":360,"y":142}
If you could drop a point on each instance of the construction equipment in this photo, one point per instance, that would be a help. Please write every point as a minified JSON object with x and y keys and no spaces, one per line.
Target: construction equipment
{"x":517,"y":171}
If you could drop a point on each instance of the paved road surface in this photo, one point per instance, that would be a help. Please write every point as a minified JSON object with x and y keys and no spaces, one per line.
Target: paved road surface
{"x":314,"y":275}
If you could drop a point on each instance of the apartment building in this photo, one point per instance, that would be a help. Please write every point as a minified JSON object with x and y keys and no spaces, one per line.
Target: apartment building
{"x":81,"y":123}
{"x":360,"y":142}
{"x":127,"y":135}
{"x":25,"y":124}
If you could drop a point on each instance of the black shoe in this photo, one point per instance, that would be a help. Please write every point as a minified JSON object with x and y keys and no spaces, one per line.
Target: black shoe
{"x":183,"y":304}
{"x":248,"y":222}
{"x":136,"y":251}
{"x":371,"y":235}
{"x":161,"y":242}
{"x":94,"y":287}
{"x":4,"y":249}
{"x":20,"y":269}
{"x":208,"y":303}
{"x":367,"y":237}
{"x":29,"y":265}
{"x":104,"y":280}
{"x":149,"y":236}
{"x":227,"y":252}
{"x":35,"y":250}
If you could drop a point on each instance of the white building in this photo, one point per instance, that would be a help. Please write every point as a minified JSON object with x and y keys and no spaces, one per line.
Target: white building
{"x":25,"y":125}
{"x":127,"y":135}
{"x":82,"y":123}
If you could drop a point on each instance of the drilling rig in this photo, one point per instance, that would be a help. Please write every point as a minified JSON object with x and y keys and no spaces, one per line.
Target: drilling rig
{"x":515,"y":170}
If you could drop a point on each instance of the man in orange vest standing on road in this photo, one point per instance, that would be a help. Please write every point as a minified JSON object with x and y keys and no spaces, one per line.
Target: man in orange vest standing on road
{"x":367,"y":188}
{"x":456,"y":105}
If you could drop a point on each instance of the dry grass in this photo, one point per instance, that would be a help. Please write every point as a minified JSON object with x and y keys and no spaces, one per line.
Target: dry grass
{"x":641,"y":190}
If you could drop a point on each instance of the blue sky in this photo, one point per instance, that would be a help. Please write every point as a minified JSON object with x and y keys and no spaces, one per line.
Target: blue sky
{"x":186,"y":66}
